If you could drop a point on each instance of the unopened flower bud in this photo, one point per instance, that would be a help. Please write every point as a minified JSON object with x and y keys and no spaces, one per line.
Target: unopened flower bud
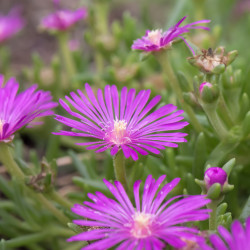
{"x":190,"y":99}
{"x":208,"y":84}
{"x":208,"y":93}
{"x":231,"y":56}
{"x":215,"y":175}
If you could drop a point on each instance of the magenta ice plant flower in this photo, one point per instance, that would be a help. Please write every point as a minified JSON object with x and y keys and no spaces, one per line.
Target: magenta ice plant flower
{"x":19,"y":110}
{"x":124,"y":123}
{"x":238,"y":239}
{"x":10,"y":24}
{"x":156,"y":40}
{"x":151,"y":224}
{"x":63,"y":19}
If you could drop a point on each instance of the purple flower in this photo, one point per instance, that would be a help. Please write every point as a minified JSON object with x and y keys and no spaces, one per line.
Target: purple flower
{"x":123,"y":122}
{"x":18,"y":110}
{"x":238,"y":239}
{"x":151,"y":224}
{"x":215,"y":175}
{"x":10,"y":24}
{"x":62,"y":20}
{"x":156,"y":40}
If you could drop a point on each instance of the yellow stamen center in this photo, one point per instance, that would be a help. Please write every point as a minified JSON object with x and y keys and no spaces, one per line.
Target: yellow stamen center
{"x":154,"y":36}
{"x":142,"y":225}
{"x":119,"y":132}
{"x":120,"y":126}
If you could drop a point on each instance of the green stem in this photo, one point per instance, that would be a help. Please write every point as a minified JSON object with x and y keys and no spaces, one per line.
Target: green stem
{"x":66,"y":55}
{"x":101,"y":28}
{"x":101,"y":10}
{"x":219,"y":127}
{"x":119,"y":167}
{"x":60,"y":200}
{"x":99,"y":63}
{"x":8,"y":161}
{"x":208,"y":78}
{"x":212,"y":218}
{"x":167,"y":68}
{"x":11,"y":166}
{"x":174,"y":84}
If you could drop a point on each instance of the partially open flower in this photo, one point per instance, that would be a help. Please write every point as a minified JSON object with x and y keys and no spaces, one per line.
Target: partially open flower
{"x":63,"y":19}
{"x":156,"y":40}
{"x":213,"y":62}
{"x":10,"y":24}
{"x":215,"y":175}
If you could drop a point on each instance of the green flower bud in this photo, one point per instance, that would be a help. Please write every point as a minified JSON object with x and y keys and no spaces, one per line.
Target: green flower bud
{"x":190,"y":99}
{"x":231,"y":56}
{"x":209,"y":93}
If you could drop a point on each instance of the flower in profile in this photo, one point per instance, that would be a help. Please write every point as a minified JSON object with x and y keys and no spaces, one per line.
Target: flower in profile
{"x":122,"y":123}
{"x":63,"y":19}
{"x":215,"y":175}
{"x":19,"y":110}
{"x":151,"y":224}
{"x":10,"y":24}
{"x":238,"y":239}
{"x":156,"y":40}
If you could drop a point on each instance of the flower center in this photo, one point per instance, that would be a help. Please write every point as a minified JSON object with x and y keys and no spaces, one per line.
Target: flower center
{"x":142,"y":225}
{"x":118,"y":134}
{"x":154,"y":36}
